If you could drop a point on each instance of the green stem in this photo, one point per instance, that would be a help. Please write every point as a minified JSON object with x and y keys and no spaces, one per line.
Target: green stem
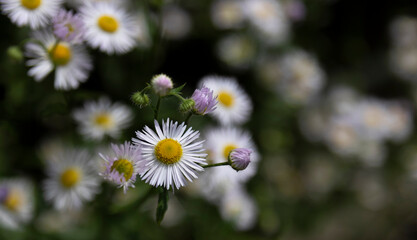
{"x":188,"y":118}
{"x":157,"y":108}
{"x":216,"y":165}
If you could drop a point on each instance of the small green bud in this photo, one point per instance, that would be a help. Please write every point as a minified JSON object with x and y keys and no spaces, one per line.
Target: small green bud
{"x":187,"y":105}
{"x":15,"y":53}
{"x":140,"y":99}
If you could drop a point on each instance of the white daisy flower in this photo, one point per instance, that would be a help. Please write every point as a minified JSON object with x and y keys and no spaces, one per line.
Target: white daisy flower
{"x":109,"y":27}
{"x":124,"y":165}
{"x":101,"y":118}
{"x":72,"y":64}
{"x":71,"y":180}
{"x":234,"y":105}
{"x":16,"y":202}
{"x":173,"y":154}
{"x":35,"y":13}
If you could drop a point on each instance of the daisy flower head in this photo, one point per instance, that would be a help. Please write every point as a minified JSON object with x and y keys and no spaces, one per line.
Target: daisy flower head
{"x":72,"y":64}
{"x":173,"y":154}
{"x":227,"y":14}
{"x":68,"y":27}
{"x":123,"y":168}
{"x":234,"y":105}
{"x":109,"y":27}
{"x":97,"y":119}
{"x":71,"y":180}
{"x":205,"y":101}
{"x":16,"y":202}
{"x":33,"y":13}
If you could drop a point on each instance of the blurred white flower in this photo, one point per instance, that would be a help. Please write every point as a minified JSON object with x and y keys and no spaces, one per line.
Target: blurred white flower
{"x":237,"y":51}
{"x":176,"y":22}
{"x":233,"y":103}
{"x":16,"y":202}
{"x":239,"y":208}
{"x":72,"y":180}
{"x":102,"y":118}
{"x":72,"y":63}
{"x":227,"y":14}
{"x":33,"y":13}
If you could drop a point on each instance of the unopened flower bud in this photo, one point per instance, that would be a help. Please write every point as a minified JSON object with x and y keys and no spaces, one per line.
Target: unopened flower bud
{"x":204,"y":101}
{"x":15,"y":53}
{"x":140,"y":99}
{"x":187,"y":105}
{"x":162,"y":84}
{"x":239,"y":158}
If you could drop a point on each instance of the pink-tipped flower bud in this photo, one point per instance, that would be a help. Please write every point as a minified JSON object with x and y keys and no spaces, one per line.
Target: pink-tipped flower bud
{"x":239,"y":158}
{"x":162,"y":84}
{"x":205,"y":102}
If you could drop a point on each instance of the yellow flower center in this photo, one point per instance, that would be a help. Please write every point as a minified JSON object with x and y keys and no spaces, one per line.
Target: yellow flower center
{"x":226,"y":99}
{"x":168,"y":151}
{"x":108,"y":23}
{"x":31,"y":4}
{"x":12,"y":201}
{"x":124,"y":167}
{"x":61,"y":54}
{"x":103,"y":120}
{"x":70,"y":177}
{"x":227,"y":150}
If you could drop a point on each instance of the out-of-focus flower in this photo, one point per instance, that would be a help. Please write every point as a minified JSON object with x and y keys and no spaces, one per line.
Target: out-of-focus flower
{"x":68,"y":27}
{"x":237,"y":51}
{"x":240,"y":158}
{"x":205,"y":101}
{"x":173,"y":154}
{"x":403,"y":31}
{"x":301,"y":78}
{"x":124,"y":165}
{"x":143,"y":35}
{"x":109,"y":27}
{"x":295,"y":9}
{"x":71,"y":62}
{"x":239,"y":208}
{"x":72,"y":180}
{"x":227,"y":14}
{"x":101,"y":118}
{"x":162,"y":84}
{"x":16,"y":202}
{"x":176,"y":22}
{"x":234,"y":105}
{"x":269,"y":19}
{"x":33,"y":13}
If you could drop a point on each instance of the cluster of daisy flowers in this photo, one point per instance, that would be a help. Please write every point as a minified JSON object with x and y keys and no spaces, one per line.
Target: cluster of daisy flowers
{"x":357,"y":126}
{"x":58,"y":38}
{"x":167,"y":156}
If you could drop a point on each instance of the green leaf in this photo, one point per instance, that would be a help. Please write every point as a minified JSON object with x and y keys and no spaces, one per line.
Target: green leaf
{"x":162,"y":205}
{"x":177,"y":90}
